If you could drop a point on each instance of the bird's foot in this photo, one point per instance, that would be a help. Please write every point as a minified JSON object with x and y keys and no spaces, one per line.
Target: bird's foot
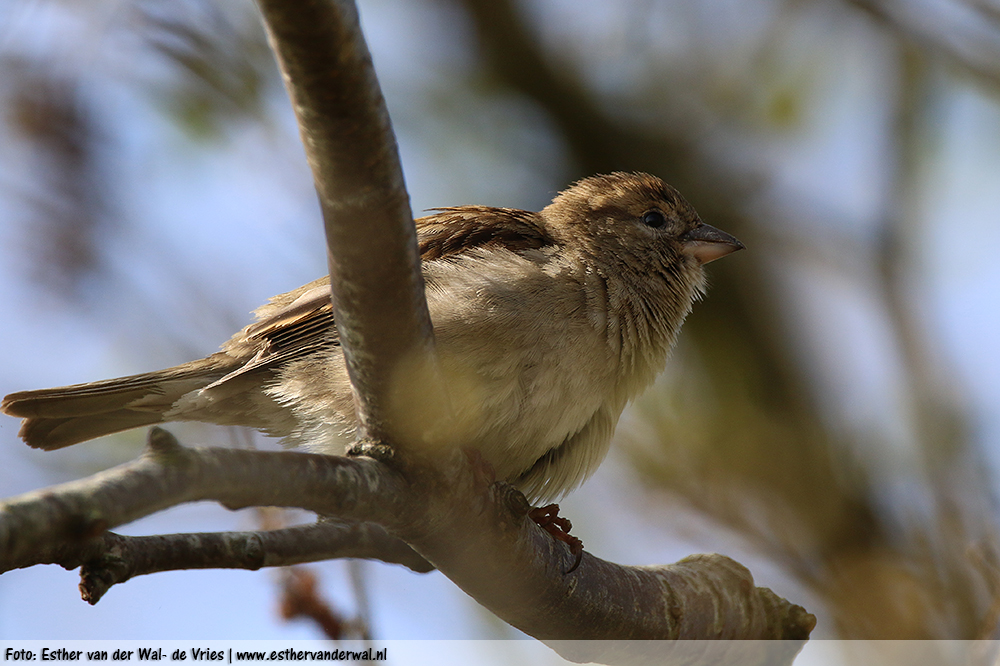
{"x":372,"y":449}
{"x":548,"y":518}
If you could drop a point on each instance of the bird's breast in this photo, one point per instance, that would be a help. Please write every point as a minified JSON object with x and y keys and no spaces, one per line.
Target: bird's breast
{"x":524,"y":354}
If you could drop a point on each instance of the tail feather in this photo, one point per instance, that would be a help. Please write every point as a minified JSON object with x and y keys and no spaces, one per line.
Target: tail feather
{"x":58,"y":417}
{"x":50,"y":434}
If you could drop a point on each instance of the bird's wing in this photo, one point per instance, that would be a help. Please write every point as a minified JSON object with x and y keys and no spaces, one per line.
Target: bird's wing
{"x":454,"y":231}
{"x":300,"y":322}
{"x":289,"y":327}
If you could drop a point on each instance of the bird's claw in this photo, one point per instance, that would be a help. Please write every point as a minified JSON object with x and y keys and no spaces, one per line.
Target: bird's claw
{"x":548,"y":518}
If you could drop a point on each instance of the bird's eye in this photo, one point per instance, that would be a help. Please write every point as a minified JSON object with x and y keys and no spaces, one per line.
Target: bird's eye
{"x":654,"y":218}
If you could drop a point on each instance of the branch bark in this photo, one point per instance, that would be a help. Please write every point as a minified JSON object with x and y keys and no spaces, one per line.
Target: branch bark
{"x":371,"y":239}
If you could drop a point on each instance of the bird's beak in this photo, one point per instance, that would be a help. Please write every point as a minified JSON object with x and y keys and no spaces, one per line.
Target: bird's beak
{"x":706,"y":243}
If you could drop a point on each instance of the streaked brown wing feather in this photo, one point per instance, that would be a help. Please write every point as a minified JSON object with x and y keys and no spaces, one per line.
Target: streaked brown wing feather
{"x":453,"y":231}
{"x":303,"y":326}
{"x":300,"y":322}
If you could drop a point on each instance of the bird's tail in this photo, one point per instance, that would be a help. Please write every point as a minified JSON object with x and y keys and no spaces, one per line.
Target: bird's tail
{"x":58,"y":417}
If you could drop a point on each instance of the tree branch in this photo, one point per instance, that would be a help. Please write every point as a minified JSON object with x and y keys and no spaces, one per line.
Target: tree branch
{"x":115,"y":558}
{"x":473,"y":529}
{"x":369,"y":226}
{"x":966,"y":33}
{"x":168,"y":474}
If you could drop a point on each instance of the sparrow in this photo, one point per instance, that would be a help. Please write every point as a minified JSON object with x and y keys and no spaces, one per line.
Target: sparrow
{"x":546,"y":325}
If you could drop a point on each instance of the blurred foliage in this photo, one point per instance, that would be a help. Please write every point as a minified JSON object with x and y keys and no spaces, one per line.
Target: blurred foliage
{"x":60,"y":175}
{"x":222,"y":58}
{"x":703,"y":94}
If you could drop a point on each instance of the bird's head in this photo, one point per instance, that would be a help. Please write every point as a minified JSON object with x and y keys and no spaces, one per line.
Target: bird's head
{"x":646,"y":246}
{"x":636,"y":218}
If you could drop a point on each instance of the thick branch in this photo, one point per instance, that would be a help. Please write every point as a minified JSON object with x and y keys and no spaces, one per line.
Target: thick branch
{"x":378,"y":292}
{"x":34,"y":525}
{"x":471,"y":528}
{"x":517,"y":571}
